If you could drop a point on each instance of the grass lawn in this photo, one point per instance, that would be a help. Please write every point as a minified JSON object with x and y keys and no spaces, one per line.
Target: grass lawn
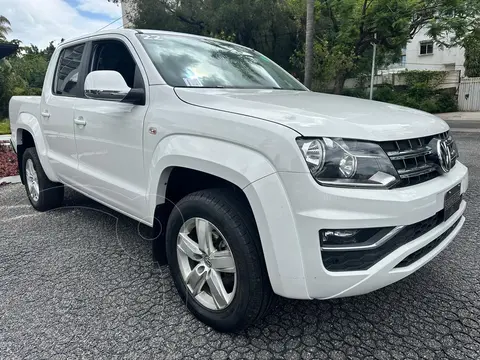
{"x":4,"y":127}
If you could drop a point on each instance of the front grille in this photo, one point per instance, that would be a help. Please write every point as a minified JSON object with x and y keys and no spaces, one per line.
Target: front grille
{"x":364,"y":259}
{"x":417,"y":255}
{"x":412,"y":158}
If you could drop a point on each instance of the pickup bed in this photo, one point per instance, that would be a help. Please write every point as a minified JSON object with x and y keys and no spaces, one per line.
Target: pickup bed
{"x":252,"y":184}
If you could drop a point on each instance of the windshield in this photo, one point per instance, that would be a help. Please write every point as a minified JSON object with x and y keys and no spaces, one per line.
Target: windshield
{"x":188,"y":61}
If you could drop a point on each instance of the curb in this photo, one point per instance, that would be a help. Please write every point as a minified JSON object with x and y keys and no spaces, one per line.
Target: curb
{"x":10,"y":180}
{"x":5,"y":143}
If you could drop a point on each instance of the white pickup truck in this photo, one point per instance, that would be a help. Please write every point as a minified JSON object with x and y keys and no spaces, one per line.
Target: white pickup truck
{"x":255,"y":185}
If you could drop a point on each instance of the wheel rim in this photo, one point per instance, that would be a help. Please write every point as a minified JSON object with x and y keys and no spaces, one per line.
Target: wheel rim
{"x":206,"y":264}
{"x":32,"y":181}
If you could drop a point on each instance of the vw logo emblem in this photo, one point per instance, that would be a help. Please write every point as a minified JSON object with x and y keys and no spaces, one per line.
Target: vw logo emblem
{"x":444,"y":156}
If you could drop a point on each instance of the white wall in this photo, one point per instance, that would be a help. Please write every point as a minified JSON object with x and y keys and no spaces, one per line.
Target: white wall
{"x":446,"y":59}
{"x":452,"y":79}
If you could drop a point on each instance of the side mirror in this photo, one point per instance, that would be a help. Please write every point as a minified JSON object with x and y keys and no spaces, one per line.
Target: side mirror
{"x":109,"y":85}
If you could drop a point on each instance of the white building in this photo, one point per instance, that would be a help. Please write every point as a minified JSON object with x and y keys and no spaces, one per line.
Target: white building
{"x":421,"y":53}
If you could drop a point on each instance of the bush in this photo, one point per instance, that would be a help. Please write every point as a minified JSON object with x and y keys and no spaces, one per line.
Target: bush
{"x":358,"y":92}
{"x":419,"y":92}
{"x":384,"y":93}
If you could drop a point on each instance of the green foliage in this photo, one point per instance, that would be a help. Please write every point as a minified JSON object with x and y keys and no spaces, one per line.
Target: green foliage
{"x":4,"y":28}
{"x":23,"y":74}
{"x":344,"y":29}
{"x":419,"y":92}
{"x":265,"y":25}
{"x":472,"y":54}
{"x":4,"y":127}
{"x":438,"y":101}
{"x":356,"y":92}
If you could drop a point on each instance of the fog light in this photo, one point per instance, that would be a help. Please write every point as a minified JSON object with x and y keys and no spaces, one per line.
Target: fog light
{"x":338,"y":238}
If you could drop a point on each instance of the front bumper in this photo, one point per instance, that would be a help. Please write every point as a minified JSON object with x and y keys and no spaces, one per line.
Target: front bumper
{"x":314,"y":207}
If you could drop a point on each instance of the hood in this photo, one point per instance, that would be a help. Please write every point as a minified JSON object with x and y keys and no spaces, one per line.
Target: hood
{"x":316,"y":114}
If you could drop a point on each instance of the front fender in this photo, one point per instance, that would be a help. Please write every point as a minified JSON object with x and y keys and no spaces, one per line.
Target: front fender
{"x":257,"y":177}
{"x":234,"y":163}
{"x":30,"y":123}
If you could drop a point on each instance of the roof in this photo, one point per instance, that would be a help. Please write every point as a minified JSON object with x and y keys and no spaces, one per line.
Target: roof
{"x":7,"y":49}
{"x":131,"y":31}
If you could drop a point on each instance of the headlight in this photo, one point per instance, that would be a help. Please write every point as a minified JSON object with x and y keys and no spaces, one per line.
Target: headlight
{"x":350,"y":163}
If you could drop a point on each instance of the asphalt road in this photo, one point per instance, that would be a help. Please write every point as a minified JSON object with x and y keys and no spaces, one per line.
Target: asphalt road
{"x":79,"y":282}
{"x":464,"y":124}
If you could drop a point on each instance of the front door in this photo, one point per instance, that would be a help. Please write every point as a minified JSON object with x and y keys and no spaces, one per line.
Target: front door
{"x":109,"y":135}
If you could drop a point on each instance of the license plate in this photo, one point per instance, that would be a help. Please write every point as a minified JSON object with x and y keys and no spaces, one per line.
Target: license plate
{"x":452,"y":202}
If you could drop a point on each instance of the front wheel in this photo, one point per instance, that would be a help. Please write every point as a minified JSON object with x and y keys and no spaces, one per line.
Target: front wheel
{"x":216,"y":261}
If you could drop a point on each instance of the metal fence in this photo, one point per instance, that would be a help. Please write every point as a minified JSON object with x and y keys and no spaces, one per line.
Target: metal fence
{"x":469,"y":94}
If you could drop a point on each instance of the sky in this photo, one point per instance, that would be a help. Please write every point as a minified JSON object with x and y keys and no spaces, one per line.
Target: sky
{"x":38,"y":22}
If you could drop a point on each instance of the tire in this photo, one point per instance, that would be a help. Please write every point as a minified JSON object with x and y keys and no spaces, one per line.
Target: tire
{"x":158,"y":236}
{"x":50,"y":194}
{"x":233,"y":219}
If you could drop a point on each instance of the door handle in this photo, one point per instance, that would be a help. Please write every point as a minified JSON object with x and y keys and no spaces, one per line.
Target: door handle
{"x":80,"y":121}
{"x":45,"y":114}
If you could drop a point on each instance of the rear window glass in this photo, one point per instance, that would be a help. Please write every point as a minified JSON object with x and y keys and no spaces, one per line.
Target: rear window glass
{"x":68,"y":68}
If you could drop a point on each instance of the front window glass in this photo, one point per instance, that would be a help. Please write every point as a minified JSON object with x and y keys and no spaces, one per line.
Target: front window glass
{"x":188,"y":61}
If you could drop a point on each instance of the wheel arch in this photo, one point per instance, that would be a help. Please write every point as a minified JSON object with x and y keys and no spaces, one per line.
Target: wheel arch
{"x":207,"y":163}
{"x":28,"y":133}
{"x":230,"y":162}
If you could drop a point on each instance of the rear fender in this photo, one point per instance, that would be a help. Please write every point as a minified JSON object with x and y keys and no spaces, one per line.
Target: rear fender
{"x":28,"y":122}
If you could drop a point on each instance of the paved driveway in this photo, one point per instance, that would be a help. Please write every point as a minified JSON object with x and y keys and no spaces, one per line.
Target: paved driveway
{"x":78,"y":282}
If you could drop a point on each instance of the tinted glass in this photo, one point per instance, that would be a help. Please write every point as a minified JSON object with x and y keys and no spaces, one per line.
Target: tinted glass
{"x":113,"y":55}
{"x":68,"y":68}
{"x":187,"y":61}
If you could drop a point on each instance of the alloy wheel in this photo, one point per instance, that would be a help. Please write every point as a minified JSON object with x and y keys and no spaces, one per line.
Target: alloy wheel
{"x":206,"y":264}
{"x":32,"y":180}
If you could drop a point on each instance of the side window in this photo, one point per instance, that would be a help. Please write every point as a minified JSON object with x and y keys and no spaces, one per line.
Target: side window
{"x":114,"y":55}
{"x":67,"y":72}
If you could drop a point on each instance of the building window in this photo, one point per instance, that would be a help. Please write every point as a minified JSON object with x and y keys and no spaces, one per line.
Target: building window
{"x":404,"y":57}
{"x":426,"y":48}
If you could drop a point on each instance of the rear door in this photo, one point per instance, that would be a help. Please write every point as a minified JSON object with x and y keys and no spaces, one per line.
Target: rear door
{"x":60,"y":92}
{"x":109,"y":134}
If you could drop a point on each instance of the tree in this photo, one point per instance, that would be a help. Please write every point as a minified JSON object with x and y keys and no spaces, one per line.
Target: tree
{"x":264,"y":25}
{"x":310,"y":32}
{"x":23,"y":73}
{"x":4,"y":28}
{"x":344,"y":29}
{"x":472,"y":54}
{"x":347,"y":28}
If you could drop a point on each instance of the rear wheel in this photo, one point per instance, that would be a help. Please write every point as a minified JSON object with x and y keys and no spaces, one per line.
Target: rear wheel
{"x":42,"y":193}
{"x":216,"y":261}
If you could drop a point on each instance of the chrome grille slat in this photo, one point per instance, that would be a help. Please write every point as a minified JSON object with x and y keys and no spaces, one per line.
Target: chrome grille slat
{"x":411,"y":159}
{"x":416,"y":171}
{"x":408,"y":154}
